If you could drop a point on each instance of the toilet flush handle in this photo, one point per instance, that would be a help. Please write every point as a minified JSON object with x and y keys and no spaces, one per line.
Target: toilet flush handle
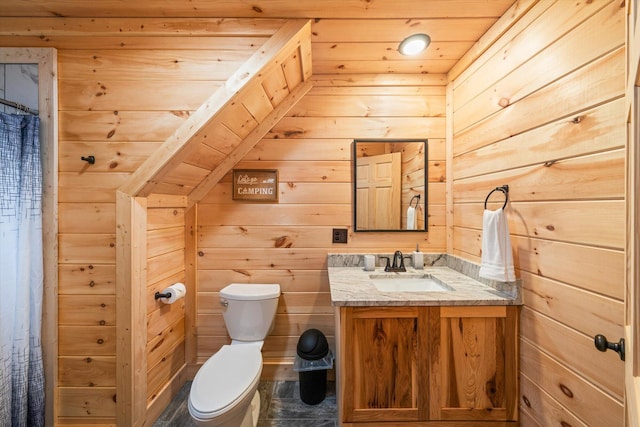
{"x":224,"y":303}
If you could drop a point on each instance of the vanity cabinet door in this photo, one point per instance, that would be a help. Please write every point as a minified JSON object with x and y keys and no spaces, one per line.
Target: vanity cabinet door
{"x":473,"y":363}
{"x":384,"y":376}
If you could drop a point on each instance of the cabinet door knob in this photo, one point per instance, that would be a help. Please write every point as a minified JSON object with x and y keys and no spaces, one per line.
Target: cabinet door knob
{"x":602,"y":344}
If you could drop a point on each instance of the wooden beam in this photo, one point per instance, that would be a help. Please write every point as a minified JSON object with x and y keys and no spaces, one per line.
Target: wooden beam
{"x":191,"y":279}
{"x":131,"y":262}
{"x":156,"y":26}
{"x":633,"y":59}
{"x":261,"y":8}
{"x":449,"y":206}
{"x":248,"y":143}
{"x":632,"y":243}
{"x":177,"y":147}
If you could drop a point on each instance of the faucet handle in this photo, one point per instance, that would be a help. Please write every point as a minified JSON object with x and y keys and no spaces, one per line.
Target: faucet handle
{"x":388,"y":266}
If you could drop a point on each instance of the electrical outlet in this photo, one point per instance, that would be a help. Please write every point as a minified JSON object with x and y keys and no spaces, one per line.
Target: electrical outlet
{"x":339,"y":235}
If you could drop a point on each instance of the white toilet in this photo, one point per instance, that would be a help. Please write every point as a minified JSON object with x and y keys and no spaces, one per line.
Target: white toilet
{"x":225,"y":389}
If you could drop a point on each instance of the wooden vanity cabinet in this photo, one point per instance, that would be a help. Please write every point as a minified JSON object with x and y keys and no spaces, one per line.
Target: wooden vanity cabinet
{"x":473,"y":363}
{"x":427,"y":364}
{"x":383,"y":377}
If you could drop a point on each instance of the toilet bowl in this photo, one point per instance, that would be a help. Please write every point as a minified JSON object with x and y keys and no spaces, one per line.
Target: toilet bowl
{"x":224,"y":391}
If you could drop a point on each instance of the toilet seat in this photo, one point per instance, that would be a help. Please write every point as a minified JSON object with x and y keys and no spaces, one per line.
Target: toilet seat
{"x":227,"y":378}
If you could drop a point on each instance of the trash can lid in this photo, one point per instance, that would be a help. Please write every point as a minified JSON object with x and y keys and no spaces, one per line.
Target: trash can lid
{"x":312,"y":345}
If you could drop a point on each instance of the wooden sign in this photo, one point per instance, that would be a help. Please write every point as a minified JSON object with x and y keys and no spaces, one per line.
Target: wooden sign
{"x":259,"y":185}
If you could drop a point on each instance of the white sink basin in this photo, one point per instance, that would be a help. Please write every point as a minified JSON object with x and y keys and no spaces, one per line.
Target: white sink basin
{"x":408,"y":283}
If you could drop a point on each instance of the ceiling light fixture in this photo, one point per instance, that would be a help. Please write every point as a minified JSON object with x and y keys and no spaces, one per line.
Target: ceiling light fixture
{"x":414,"y":44}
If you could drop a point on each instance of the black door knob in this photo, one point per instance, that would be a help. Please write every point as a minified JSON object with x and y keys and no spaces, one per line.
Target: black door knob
{"x":602,"y":344}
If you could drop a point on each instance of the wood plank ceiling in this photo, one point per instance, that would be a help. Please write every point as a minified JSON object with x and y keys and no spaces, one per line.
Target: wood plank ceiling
{"x":346,"y":37}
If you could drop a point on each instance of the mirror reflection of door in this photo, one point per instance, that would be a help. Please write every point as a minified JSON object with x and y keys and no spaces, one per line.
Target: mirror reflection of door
{"x":375,"y":205}
{"x":378,"y":190}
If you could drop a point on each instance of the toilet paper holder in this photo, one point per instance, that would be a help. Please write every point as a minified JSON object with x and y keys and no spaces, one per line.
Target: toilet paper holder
{"x":171,"y":294}
{"x":158,"y":295}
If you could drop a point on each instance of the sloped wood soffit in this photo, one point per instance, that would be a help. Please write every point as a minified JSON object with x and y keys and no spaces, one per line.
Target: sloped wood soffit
{"x":226,"y":126}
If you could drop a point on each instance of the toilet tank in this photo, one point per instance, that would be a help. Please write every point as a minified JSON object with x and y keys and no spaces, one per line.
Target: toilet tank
{"x":249,"y":310}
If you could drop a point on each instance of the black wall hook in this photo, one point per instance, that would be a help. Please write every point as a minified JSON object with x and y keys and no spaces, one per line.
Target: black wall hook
{"x":89,"y":159}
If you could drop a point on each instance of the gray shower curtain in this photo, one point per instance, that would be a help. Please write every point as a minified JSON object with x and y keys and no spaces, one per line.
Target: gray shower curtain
{"x":22,"y":399}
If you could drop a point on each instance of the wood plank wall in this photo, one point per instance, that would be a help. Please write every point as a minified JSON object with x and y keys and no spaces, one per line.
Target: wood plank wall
{"x":121,"y":96}
{"x":543,"y":111}
{"x":124,"y":88}
{"x":166,"y":245}
{"x":288,"y":242}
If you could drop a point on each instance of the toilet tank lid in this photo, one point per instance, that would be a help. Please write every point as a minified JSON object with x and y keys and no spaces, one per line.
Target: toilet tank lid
{"x":253,"y":291}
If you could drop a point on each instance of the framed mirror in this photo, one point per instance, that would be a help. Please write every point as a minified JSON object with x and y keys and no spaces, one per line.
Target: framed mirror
{"x":390,"y":185}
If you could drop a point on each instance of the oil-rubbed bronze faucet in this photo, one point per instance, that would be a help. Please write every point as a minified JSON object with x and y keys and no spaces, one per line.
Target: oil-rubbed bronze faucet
{"x":397,"y":265}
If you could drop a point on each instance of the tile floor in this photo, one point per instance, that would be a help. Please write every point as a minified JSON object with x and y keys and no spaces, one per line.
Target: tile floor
{"x":280,"y":407}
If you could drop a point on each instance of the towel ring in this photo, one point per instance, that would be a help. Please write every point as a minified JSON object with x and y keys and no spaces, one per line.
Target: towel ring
{"x":417,"y":201}
{"x":505,"y":191}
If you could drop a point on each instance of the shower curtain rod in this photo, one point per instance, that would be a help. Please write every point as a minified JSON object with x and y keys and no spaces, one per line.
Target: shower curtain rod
{"x":18,"y":106}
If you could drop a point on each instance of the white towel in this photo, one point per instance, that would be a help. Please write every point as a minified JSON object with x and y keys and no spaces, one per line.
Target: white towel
{"x":411,"y":218}
{"x":497,"y":259}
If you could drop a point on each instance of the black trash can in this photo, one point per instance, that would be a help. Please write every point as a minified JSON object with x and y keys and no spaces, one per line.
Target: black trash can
{"x":313,"y":360}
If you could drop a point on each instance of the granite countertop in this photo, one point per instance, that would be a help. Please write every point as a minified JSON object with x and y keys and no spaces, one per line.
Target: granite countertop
{"x":352,"y":286}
